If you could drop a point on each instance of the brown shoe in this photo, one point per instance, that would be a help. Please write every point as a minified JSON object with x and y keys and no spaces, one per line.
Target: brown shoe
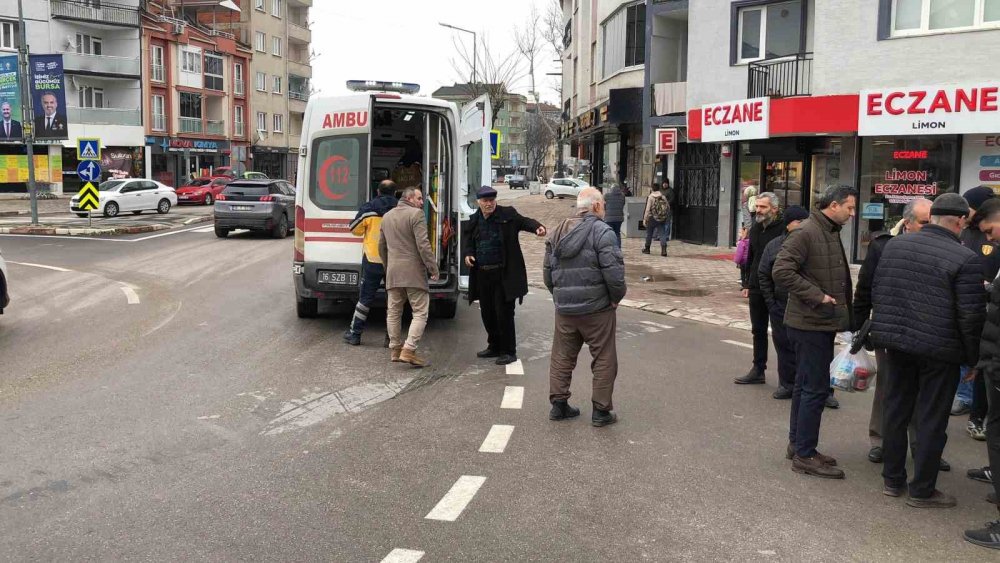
{"x":396,"y":352}
{"x":815,"y":467}
{"x":411,"y":357}
{"x":936,"y":500}
{"x":790,"y":453}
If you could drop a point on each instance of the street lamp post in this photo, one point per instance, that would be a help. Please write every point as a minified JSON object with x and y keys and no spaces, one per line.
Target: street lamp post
{"x":28,"y":117}
{"x":474,"y":58}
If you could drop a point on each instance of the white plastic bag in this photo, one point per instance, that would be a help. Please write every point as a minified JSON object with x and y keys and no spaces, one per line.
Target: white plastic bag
{"x":852,"y":372}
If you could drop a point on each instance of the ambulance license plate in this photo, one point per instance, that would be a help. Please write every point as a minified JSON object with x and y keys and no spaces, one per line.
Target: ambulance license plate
{"x":338,"y":278}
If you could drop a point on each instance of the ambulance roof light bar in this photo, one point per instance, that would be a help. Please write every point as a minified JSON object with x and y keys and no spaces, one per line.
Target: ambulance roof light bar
{"x":380,"y":86}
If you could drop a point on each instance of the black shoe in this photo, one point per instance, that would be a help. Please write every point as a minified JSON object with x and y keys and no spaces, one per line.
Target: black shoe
{"x":663,"y":251}
{"x":487,"y":353}
{"x":983,"y":475}
{"x":562,"y":411}
{"x":875,"y":454}
{"x":986,"y":537}
{"x":894,"y":492}
{"x":782,"y":393}
{"x":352,"y":339}
{"x":645,"y":250}
{"x":506,"y":359}
{"x":832,"y":402}
{"x":603,"y":418}
{"x":936,"y":500}
{"x":753,"y":377}
{"x":944,"y":466}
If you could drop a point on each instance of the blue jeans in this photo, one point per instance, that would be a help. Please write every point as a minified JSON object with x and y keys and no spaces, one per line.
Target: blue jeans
{"x":654,"y":229}
{"x":813,"y":355}
{"x":668,"y":228}
{"x":371,"y":279}
{"x":616,"y":226}
{"x":964,"y":393}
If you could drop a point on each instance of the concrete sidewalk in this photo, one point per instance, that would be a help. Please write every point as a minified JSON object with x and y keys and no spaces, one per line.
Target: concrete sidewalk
{"x":699,"y":283}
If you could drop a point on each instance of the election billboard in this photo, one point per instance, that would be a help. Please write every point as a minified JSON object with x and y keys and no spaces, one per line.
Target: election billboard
{"x":10,"y":101}
{"x":48,"y":96}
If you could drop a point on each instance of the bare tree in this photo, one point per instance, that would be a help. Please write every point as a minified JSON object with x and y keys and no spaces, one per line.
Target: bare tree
{"x":496,"y":72}
{"x":553,"y":26}
{"x":530,"y":42}
{"x":540,"y":135}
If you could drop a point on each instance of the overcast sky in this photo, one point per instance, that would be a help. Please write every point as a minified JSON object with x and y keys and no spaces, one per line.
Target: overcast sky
{"x":400,"y":40}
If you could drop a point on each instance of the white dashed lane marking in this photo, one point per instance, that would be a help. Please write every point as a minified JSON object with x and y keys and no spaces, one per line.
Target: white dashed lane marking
{"x":516,"y":368}
{"x":740,"y":344}
{"x":403,"y":556}
{"x":205,"y":230}
{"x":130,"y":294}
{"x":42,"y":266}
{"x":496,"y":440}
{"x":655,"y":327}
{"x":454,"y":502}
{"x":513,"y":397}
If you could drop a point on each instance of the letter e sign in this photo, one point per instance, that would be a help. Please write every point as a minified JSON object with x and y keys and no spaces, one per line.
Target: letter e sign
{"x":666,"y":141}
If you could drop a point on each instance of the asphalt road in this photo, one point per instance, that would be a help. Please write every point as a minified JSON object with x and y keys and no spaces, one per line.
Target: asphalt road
{"x":161,"y":401}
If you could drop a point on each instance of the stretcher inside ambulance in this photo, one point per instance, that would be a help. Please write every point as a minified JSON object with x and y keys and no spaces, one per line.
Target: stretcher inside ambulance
{"x":352,"y":143}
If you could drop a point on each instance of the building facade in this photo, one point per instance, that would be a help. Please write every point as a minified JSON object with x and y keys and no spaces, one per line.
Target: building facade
{"x":195,"y":98}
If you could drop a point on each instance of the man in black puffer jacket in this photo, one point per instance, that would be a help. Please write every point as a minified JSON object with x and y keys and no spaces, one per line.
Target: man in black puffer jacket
{"x":928,"y":302}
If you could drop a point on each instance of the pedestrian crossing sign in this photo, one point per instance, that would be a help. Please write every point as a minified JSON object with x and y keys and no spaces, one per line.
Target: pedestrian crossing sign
{"x":88,"y":148}
{"x":89,"y":198}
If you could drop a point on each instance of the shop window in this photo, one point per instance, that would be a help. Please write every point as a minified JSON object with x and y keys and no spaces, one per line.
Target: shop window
{"x":897,"y":170}
{"x":918,"y":17}
{"x":768,"y":31}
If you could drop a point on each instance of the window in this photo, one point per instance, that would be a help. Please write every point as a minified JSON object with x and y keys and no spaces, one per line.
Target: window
{"x":8,"y":36}
{"x":258,"y":5}
{"x":342,"y":186}
{"x":276,"y":8}
{"x":156,"y":65}
{"x":276,"y":46}
{"x":260,"y":41}
{"x":159,"y":117}
{"x":624,"y":36}
{"x":214,"y":73}
{"x":261,"y":82}
{"x":238,"y":79}
{"x":88,"y":45}
{"x":191,"y":62}
{"x":768,"y":31}
{"x":277,"y":85}
{"x":261,"y":122}
{"x":916,"y":17}
{"x":190,"y":105}
{"x":279,"y":121}
{"x":91,"y":97}
{"x":238,"y":121}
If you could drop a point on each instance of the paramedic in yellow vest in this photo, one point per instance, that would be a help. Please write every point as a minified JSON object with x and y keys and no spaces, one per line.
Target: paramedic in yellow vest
{"x":368,"y":224}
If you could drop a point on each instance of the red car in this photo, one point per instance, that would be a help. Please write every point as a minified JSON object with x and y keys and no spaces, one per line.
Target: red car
{"x":202,"y":190}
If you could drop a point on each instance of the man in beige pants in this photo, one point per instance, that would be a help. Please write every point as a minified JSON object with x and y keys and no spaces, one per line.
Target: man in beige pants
{"x":406,"y":252}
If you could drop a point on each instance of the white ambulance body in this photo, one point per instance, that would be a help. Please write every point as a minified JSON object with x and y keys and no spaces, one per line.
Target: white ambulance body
{"x":349,"y":144}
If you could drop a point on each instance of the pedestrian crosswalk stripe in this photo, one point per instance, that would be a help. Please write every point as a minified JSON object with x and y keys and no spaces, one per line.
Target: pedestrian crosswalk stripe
{"x":657,"y":325}
{"x":513,"y":397}
{"x":515,"y":368}
{"x":403,"y":556}
{"x":740,"y":344}
{"x":204,"y":230}
{"x":456,"y":499}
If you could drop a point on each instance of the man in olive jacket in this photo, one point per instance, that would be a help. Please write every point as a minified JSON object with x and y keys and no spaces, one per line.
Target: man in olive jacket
{"x":812,"y":266}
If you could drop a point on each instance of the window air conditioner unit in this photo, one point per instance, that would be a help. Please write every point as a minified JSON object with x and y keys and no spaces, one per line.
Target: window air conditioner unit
{"x":178,"y":28}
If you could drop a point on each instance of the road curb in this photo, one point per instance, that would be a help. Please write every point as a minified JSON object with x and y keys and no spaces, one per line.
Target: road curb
{"x":676,"y":312}
{"x":64,"y":231}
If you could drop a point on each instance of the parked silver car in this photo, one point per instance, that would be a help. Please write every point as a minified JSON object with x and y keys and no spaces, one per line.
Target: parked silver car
{"x":258,"y":205}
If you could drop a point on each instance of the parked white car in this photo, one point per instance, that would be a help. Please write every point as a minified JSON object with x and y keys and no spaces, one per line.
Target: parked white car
{"x":131,"y":194}
{"x":564,"y":187}
{"x":4,"y":295}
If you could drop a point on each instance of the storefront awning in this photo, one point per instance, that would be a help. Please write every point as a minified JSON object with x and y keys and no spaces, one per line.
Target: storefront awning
{"x":790,"y":117}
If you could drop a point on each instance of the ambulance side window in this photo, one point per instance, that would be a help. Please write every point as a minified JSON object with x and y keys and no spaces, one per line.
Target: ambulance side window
{"x":474,"y":164}
{"x":338,"y":174}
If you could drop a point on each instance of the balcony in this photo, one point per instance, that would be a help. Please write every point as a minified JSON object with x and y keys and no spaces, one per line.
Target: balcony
{"x":297,"y":102}
{"x":106,"y":14}
{"x":302,"y":3}
{"x":103,"y":65}
{"x":669,"y":97}
{"x":104,"y":116}
{"x":190,"y":124}
{"x":299,"y":67}
{"x":213,"y":127}
{"x":298,"y":33}
{"x":780,"y":77}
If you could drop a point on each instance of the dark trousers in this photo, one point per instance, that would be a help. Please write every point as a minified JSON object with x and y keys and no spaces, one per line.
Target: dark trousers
{"x":813,"y":354}
{"x":878,"y":402}
{"x":372,"y":275}
{"x":654,"y":228}
{"x":597,"y":330}
{"x":977,"y":411}
{"x":920,"y":387}
{"x":786,"y":353}
{"x":758,"y":322}
{"x":616,"y":226}
{"x":497,"y":311}
{"x":993,"y":424}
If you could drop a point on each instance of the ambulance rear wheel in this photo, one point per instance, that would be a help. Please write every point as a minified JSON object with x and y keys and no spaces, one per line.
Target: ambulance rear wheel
{"x":306,"y":308}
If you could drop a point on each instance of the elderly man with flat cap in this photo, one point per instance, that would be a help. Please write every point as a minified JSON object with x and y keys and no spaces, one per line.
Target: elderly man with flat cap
{"x":497,"y":274}
{"x":928,"y":311}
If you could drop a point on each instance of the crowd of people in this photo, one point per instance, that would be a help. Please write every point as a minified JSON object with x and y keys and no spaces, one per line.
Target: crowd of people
{"x":926,"y":302}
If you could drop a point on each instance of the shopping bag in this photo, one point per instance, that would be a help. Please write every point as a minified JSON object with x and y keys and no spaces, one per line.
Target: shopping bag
{"x":742,"y":255}
{"x":852,"y":372}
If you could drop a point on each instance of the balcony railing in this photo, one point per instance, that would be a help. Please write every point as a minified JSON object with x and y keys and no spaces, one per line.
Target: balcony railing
{"x":104,"y":116}
{"x":303,"y":96}
{"x":238,"y":86}
{"x":780,"y":77}
{"x":190,"y":124}
{"x":213,"y":127}
{"x":106,"y":13}
{"x":299,"y":33}
{"x":157,"y":73}
{"x":129,"y":66}
{"x":300,"y":67}
{"x":669,"y":97}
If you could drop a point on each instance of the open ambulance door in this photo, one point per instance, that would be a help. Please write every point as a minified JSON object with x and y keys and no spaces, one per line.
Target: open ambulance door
{"x":474,"y":163}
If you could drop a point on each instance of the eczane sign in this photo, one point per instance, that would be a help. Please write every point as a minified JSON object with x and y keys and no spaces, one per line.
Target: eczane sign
{"x":736,"y":121}
{"x":930,"y":110}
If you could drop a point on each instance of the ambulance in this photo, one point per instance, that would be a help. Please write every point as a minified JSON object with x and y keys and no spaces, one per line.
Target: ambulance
{"x":381,"y":131}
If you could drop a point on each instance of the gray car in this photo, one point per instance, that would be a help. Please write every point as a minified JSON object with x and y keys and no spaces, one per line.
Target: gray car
{"x":258,"y":205}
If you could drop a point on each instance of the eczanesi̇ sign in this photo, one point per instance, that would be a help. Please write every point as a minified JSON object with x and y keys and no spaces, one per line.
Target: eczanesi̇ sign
{"x":934,"y":110}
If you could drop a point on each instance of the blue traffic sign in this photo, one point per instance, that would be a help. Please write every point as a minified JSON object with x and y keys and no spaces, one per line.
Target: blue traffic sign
{"x":89,"y":171}
{"x":495,"y":144}
{"x":88,"y":148}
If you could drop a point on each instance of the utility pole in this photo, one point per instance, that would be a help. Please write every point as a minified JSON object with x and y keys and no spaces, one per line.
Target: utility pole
{"x":474,"y":41}
{"x":28,"y":118}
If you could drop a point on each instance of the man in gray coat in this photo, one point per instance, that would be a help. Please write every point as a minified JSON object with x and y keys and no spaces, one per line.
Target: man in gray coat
{"x":585,"y":272}
{"x":614,"y":212}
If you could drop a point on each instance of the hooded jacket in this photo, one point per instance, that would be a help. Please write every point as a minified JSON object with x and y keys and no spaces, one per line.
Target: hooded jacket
{"x":583,"y":267}
{"x":368,"y":224}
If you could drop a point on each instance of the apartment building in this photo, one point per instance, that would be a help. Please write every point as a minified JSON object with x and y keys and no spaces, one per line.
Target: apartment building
{"x":100,"y":44}
{"x":195,"y":95}
{"x":603,"y":84}
{"x":509,"y":120}
{"x":895,"y":97}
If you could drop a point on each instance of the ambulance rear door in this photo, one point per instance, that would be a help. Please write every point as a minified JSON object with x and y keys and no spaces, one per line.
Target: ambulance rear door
{"x":475,"y":122}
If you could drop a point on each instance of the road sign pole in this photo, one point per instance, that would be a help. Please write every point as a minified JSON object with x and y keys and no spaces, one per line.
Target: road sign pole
{"x":29,"y":138}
